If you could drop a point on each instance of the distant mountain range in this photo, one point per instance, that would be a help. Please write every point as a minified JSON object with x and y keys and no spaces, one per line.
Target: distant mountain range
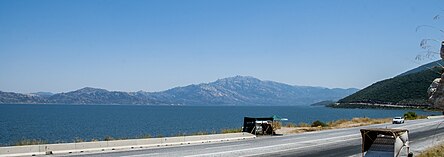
{"x":406,"y":89}
{"x":239,"y":90}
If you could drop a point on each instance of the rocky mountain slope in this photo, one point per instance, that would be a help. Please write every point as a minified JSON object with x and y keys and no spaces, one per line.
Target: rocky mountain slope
{"x":239,"y":90}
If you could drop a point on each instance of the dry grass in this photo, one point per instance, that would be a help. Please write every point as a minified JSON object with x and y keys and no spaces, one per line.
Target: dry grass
{"x":338,"y":122}
{"x":343,"y":123}
{"x":421,"y":117}
{"x":233,"y":130}
{"x":276,"y":125}
{"x":146,"y":136}
{"x":78,"y":140}
{"x":291,"y":128}
{"x":302,"y":124}
{"x":290,"y":125}
{"x":437,"y":151}
{"x":24,"y":142}
{"x":306,"y":129}
{"x":200,"y":133}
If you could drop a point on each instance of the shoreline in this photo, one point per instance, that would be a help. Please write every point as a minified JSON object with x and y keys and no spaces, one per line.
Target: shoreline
{"x":116,"y":145}
{"x":138,"y":144}
{"x":86,"y":123}
{"x":380,"y":106}
{"x":289,"y":128}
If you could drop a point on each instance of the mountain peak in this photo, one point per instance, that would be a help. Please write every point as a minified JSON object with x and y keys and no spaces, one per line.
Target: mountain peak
{"x":244,"y":77}
{"x":247,"y":90}
{"x":237,"y":90}
{"x":239,"y":78}
{"x":91,"y":90}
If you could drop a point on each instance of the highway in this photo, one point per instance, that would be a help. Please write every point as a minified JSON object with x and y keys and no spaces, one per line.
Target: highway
{"x":338,"y":142}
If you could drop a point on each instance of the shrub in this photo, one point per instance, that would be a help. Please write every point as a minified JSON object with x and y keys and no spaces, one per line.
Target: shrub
{"x":410,"y":115}
{"x":108,"y":138}
{"x":318,"y":123}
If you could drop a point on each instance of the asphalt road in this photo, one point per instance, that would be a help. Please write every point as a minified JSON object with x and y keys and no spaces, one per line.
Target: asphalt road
{"x":340,"y":142}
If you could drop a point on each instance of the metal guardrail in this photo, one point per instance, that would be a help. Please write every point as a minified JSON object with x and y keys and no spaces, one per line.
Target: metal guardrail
{"x":65,"y":148}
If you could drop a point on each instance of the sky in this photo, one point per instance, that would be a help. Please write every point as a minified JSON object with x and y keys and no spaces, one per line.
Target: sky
{"x":132,"y":45}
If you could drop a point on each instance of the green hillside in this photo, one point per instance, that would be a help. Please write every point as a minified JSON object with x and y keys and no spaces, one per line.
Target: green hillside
{"x":410,"y":89}
{"x":430,"y":65}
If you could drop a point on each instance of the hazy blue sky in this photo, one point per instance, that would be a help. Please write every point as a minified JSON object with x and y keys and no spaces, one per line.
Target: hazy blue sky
{"x":132,"y":45}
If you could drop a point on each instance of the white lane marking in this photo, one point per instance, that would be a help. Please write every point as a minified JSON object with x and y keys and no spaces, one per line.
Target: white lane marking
{"x":288,"y":149}
{"x":141,"y":155}
{"x":425,"y":124}
{"x":420,"y":124}
{"x":226,"y":146}
{"x":304,"y":137}
{"x":356,"y":155}
{"x":279,"y":145}
{"x":292,"y":139}
{"x":410,"y":127}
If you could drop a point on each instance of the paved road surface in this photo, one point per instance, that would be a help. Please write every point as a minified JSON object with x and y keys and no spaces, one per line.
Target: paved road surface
{"x":339,"y":142}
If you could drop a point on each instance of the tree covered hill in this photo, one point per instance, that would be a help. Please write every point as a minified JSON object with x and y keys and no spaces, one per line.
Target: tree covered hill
{"x":406,"y":89}
{"x":438,"y":63}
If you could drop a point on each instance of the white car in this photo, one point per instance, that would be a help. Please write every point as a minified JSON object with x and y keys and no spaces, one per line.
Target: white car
{"x":398,"y":120}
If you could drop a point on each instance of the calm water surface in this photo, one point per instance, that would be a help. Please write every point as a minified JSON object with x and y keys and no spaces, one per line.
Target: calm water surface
{"x":65,"y":123}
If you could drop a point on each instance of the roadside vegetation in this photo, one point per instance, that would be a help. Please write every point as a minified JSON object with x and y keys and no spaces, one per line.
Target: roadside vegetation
{"x":289,"y":128}
{"x":413,"y":116}
{"x":317,"y":125}
{"x":234,"y":130}
{"x":24,"y":142}
{"x":436,"y":151}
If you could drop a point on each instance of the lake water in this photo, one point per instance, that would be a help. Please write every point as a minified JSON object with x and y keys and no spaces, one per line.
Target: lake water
{"x":65,"y":123}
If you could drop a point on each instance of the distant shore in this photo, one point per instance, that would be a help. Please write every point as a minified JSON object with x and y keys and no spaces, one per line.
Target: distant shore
{"x":379,"y":106}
